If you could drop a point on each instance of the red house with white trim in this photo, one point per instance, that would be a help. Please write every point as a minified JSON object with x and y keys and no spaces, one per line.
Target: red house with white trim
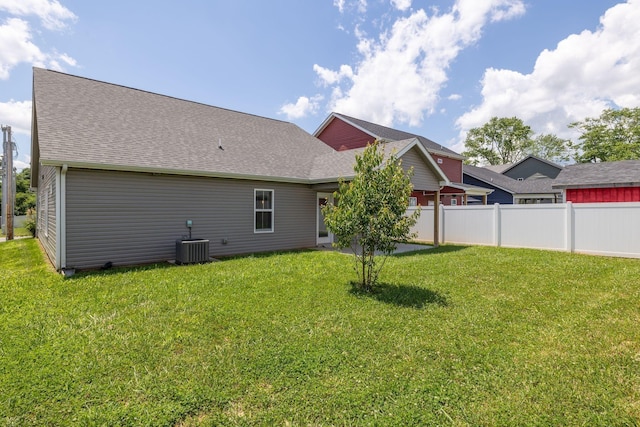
{"x":600,"y":182}
{"x":342,"y":132}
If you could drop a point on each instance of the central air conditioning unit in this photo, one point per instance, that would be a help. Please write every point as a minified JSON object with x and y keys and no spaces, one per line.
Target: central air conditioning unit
{"x":190,"y":251}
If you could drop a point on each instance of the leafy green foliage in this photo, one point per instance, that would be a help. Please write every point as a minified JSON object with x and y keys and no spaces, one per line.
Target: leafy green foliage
{"x":452,"y":336}
{"x":508,"y":140}
{"x":499,"y":141}
{"x":615,"y":135}
{"x":370,"y":214}
{"x":31,"y":222}
{"x":550,"y":147}
{"x":25,"y":198}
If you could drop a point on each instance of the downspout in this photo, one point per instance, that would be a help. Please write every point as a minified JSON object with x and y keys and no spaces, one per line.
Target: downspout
{"x":436,"y":218}
{"x":61,"y":218}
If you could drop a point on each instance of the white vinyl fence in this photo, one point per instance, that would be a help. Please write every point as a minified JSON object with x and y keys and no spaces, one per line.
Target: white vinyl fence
{"x":611,"y":229}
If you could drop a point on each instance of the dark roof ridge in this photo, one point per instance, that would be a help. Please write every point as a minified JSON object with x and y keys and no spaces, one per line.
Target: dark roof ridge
{"x":530,"y":156}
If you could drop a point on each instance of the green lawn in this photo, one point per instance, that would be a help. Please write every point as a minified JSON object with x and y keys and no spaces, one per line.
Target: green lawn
{"x":18,"y":231}
{"x":456,"y":336}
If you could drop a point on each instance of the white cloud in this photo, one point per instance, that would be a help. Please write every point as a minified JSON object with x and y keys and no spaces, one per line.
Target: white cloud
{"x":18,"y":47}
{"x":401,"y":4}
{"x":330,"y":77}
{"x":454,"y":97}
{"x":362,"y":6}
{"x":19,"y":165}
{"x":359,"y":5}
{"x":16,"y":114}
{"x":68,"y":60}
{"x":583,"y":75}
{"x":400,"y":74}
{"x":302,"y":108}
{"x":505,"y":10}
{"x":53,"y":15}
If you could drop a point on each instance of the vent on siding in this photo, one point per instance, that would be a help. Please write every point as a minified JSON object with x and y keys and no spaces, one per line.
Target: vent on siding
{"x":192,"y":251}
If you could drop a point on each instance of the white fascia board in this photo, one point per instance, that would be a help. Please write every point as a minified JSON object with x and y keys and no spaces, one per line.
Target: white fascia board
{"x":360,"y":128}
{"x":415,"y":143}
{"x":324,"y":124}
{"x":449,"y":155}
{"x":473,"y":190}
{"x":181,"y":172}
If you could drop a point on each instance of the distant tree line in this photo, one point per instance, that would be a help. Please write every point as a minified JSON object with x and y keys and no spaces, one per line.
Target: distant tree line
{"x":615,"y":135}
{"x":25,"y":198}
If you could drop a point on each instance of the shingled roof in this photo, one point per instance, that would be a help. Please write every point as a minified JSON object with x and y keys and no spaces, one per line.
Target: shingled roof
{"x":535,"y":184}
{"x":339,"y":164}
{"x":84,"y":123}
{"x":625,"y":173}
{"x":489,"y":176}
{"x":389,"y":134}
{"x":87,"y":123}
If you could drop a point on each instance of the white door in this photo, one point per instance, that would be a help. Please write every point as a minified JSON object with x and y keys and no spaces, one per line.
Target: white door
{"x":323,"y":236}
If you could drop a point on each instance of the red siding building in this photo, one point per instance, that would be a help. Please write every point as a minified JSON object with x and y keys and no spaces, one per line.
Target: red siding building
{"x":344,"y":133}
{"x":600,"y":182}
{"x":603,"y":195}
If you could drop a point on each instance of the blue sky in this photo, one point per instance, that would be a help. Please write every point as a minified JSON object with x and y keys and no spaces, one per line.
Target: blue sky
{"x":435,"y":68}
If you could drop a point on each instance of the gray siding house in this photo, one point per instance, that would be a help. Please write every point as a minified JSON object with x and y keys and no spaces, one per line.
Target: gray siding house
{"x":536,"y":188}
{"x":529,"y":166}
{"x":119,"y":172}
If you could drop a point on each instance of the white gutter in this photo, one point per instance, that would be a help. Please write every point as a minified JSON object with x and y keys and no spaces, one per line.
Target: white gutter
{"x":164,"y":171}
{"x":61,"y":217}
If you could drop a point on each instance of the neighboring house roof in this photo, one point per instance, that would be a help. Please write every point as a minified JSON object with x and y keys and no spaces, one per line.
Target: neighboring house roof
{"x":389,"y":134}
{"x":84,"y":123}
{"x":87,"y":123}
{"x":536,"y":184}
{"x":499,"y":168}
{"x":530,"y":157}
{"x":339,"y":164}
{"x":504,"y":168}
{"x":625,"y":173}
{"x":471,"y":189}
{"x":491,"y":177}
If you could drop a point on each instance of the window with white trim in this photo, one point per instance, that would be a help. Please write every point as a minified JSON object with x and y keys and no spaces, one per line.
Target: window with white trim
{"x":263,"y":211}
{"x":413,"y":201}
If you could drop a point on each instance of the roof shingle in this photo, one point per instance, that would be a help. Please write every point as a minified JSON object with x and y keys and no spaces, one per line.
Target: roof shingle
{"x":605,"y":174}
{"x":87,"y":122}
{"x":390,"y":134}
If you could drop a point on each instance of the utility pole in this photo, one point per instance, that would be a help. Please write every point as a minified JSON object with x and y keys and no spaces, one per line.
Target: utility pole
{"x":7,"y":181}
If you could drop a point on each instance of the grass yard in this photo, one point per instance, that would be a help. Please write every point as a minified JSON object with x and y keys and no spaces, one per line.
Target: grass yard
{"x":18,"y":232}
{"x":456,"y":336}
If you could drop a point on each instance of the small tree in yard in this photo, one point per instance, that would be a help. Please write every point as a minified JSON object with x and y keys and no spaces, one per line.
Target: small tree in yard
{"x":370,"y":213}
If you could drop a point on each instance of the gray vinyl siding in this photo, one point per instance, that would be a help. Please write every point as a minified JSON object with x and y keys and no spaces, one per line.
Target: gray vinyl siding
{"x":46,"y":215}
{"x":423,"y":178}
{"x":134,"y":218}
{"x":532,"y":166}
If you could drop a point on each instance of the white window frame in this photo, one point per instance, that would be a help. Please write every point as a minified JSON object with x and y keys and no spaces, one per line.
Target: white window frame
{"x":413,"y":202}
{"x":256,"y":210}
{"x":454,"y":201}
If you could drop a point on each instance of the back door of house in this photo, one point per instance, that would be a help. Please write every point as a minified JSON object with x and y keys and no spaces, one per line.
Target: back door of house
{"x":323,"y":236}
